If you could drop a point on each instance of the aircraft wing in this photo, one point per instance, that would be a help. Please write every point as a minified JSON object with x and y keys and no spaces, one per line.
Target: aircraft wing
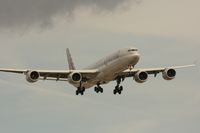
{"x":155,"y":71}
{"x":58,"y":75}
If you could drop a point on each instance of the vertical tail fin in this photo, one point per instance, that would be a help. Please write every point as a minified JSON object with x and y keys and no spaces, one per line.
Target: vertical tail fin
{"x":70,"y":61}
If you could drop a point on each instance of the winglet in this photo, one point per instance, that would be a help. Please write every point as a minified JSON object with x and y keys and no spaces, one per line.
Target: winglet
{"x":70,"y":61}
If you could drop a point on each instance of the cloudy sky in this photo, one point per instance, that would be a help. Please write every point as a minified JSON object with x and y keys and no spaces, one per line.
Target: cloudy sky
{"x":35,"y":33}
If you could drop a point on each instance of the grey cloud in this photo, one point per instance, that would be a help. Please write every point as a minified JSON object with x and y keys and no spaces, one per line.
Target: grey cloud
{"x":17,"y":13}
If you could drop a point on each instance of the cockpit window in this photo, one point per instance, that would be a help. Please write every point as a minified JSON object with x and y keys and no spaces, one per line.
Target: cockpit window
{"x":130,"y":50}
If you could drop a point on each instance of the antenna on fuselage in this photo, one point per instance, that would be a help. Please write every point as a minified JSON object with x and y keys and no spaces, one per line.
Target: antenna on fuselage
{"x":69,"y":60}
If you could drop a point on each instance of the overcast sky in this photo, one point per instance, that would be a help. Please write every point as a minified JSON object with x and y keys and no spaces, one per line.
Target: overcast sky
{"x":35,"y":33}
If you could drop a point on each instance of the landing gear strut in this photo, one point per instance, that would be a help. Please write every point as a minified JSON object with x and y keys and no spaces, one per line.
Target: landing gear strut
{"x":98,"y":88}
{"x":80,"y":89}
{"x":118,"y":89}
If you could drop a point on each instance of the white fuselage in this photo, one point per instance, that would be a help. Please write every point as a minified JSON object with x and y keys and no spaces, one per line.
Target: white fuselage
{"x":111,"y":65}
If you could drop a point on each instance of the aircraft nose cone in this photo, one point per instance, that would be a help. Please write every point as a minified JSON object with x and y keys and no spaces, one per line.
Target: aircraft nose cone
{"x":136,"y":57}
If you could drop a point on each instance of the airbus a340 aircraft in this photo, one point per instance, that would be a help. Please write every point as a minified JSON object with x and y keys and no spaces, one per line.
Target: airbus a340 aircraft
{"x":115,"y":67}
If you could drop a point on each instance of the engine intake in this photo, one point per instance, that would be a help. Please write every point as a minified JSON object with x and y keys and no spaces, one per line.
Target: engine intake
{"x":32,"y":76}
{"x":169,"y":74}
{"x":141,"y":76}
{"x":75,"y":78}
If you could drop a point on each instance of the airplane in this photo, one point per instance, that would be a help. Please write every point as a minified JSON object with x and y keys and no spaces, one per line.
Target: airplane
{"x":115,"y":67}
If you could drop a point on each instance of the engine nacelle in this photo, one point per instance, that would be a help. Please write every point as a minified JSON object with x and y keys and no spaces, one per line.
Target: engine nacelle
{"x":75,"y":78}
{"x":141,"y":76}
{"x":169,"y":74}
{"x":32,"y":76}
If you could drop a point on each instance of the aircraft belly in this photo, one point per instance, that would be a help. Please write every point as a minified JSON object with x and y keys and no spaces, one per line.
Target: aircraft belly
{"x":109,"y":71}
{"x":86,"y":85}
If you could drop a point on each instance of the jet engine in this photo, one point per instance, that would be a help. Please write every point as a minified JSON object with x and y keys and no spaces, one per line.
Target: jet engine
{"x":32,"y":76}
{"x":75,"y":78}
{"x":141,"y":76}
{"x":169,"y":74}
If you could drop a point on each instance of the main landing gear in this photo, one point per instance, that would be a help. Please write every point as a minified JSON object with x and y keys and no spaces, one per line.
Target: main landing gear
{"x":98,"y":88}
{"x":118,"y":89}
{"x":80,"y":89}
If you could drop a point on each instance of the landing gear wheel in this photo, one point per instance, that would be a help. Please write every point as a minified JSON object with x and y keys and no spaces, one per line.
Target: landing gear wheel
{"x":118,"y":90}
{"x":121,"y":88}
{"x":80,"y":91}
{"x":101,"y":90}
{"x":114,"y":91}
{"x":98,"y":89}
{"x":77,"y":92}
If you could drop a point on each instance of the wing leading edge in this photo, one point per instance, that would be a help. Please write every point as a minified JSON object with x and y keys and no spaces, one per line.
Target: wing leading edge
{"x":58,"y":75}
{"x":155,"y":71}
